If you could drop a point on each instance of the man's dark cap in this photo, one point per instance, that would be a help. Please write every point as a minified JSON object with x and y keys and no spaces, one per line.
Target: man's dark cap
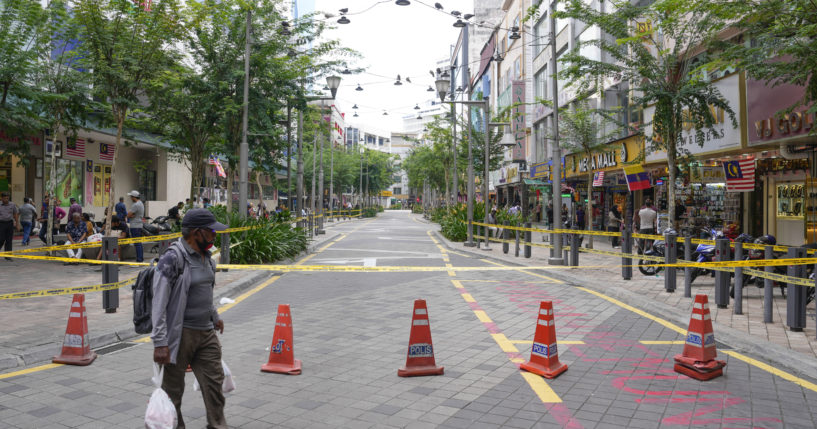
{"x":202,"y":218}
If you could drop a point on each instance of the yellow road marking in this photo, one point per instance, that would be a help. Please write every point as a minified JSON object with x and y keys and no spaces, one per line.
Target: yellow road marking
{"x":522,"y":270}
{"x":482,"y":316}
{"x":541,"y":388}
{"x":142,"y":340}
{"x":29,"y":370}
{"x":517,"y":360}
{"x":446,"y":259}
{"x":661,"y":342}
{"x":459,"y":254}
{"x":468,"y":298}
{"x":504,"y":344}
{"x":768,"y":368}
{"x":247,"y":294}
{"x":451,"y":272}
{"x":660,"y":321}
{"x":457,"y":284}
{"x":565,"y":342}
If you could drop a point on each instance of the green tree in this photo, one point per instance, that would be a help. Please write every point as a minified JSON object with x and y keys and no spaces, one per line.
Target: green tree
{"x":62,"y":89}
{"x":125,"y":44}
{"x":656,"y":60}
{"x":20,"y":22}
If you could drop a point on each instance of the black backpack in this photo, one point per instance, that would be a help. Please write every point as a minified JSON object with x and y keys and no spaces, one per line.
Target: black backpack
{"x":143,"y":296}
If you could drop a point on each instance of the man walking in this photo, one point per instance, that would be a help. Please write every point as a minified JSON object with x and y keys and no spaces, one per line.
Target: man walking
{"x":27,"y":215}
{"x":74,"y":208}
{"x":9,"y":220}
{"x":135,"y":215}
{"x":77,"y":231}
{"x":58,"y":213}
{"x":647,"y":219}
{"x":121,"y":210}
{"x":184,"y":317}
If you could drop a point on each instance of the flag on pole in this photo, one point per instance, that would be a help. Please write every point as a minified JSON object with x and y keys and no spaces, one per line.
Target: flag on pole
{"x":219,"y":169}
{"x":637,"y":178}
{"x":106,"y":151}
{"x":76,"y":148}
{"x":598,"y":179}
{"x":740,"y":175}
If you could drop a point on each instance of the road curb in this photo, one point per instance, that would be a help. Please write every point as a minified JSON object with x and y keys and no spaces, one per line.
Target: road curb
{"x":793,"y":361}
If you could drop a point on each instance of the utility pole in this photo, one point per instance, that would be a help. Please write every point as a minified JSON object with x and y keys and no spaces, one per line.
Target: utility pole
{"x":470,"y":186}
{"x":320,"y":186}
{"x":244,"y":149}
{"x":556,"y":158}
{"x":485,"y":171}
{"x":360,"y":189}
{"x":454,"y":191}
{"x":312,"y":194}
{"x":331,"y":177}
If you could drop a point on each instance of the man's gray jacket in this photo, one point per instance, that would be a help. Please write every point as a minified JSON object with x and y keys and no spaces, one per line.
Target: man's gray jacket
{"x":171,"y":283}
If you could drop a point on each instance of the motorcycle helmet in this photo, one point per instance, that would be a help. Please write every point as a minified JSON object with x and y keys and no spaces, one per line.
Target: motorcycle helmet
{"x":744,"y":238}
{"x":767,"y":239}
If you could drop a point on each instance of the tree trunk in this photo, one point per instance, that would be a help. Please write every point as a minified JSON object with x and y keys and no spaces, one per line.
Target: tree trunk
{"x":260,"y":189}
{"x":230,"y":181}
{"x":120,"y":113}
{"x":52,"y":184}
{"x":671,"y":160}
{"x":197,"y":172}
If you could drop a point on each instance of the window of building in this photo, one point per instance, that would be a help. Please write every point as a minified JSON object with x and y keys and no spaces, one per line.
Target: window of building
{"x":147,"y":185}
{"x":70,"y":181}
{"x":540,"y":84}
{"x":517,"y":69}
{"x":540,"y":35}
{"x":398,"y":191}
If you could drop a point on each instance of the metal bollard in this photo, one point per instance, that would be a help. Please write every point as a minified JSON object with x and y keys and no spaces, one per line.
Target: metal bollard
{"x":768,"y":287}
{"x":626,"y":249}
{"x":574,"y":249}
{"x":528,"y":235}
{"x":738,"y":279}
{"x":505,"y":237}
{"x":796,"y":294}
{"x":566,"y":248}
{"x":224,"y":255}
{"x":311,"y":224}
{"x":517,"y":236}
{"x":670,"y":257}
{"x":688,"y":270}
{"x":722,"y":253}
{"x":476,"y":239}
{"x":110,"y":273}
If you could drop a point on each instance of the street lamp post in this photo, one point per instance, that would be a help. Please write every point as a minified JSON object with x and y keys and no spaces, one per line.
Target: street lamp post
{"x":556,"y":157}
{"x":244,"y":148}
{"x":320,"y":211}
{"x":360,"y":189}
{"x":333,"y":82}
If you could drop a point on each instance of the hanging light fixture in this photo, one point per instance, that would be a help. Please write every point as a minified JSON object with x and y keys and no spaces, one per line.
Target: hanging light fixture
{"x":419,"y":116}
{"x":430,"y":89}
{"x":385,"y":113}
{"x":333,"y":82}
{"x":514,"y":33}
{"x":343,"y":19}
{"x":443,"y":85}
{"x":325,"y":88}
{"x":346,"y":71}
{"x":284,"y":29}
{"x":459,"y":24}
{"x":416,"y":107}
{"x":398,"y":83}
{"x":359,"y":88}
{"x":402,"y":2}
{"x":354,"y":107}
{"x":508,"y":139}
{"x":355,"y":115}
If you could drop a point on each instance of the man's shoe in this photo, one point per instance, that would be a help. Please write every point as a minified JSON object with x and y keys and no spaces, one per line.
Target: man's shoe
{"x":8,"y":259}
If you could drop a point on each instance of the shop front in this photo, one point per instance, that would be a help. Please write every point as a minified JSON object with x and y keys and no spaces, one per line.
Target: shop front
{"x":784,"y":145}
{"x":604,"y":170}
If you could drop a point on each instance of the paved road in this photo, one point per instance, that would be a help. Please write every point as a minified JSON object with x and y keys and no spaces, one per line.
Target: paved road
{"x":351,"y":332}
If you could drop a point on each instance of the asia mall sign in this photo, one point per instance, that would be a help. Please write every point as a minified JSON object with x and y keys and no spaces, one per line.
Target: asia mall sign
{"x":613,"y":156}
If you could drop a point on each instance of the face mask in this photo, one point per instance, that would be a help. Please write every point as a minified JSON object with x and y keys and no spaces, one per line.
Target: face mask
{"x":205,"y":244}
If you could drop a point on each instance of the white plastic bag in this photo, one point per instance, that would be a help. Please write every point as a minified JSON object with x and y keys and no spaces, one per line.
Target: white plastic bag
{"x":161,"y":413}
{"x":226,"y":387}
{"x":229,"y":384}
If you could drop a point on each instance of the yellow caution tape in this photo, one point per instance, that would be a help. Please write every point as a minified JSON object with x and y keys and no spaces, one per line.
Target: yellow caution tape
{"x":67,"y":290}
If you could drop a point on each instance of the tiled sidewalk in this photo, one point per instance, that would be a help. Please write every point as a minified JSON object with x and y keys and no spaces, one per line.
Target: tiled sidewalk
{"x":652,"y":288}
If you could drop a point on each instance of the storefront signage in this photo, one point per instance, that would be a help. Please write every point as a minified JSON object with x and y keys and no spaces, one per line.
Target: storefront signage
{"x":706,"y":174}
{"x":763,"y":105}
{"x":540,"y":170}
{"x":518,"y":121}
{"x":508,"y":174}
{"x":385,"y":193}
{"x":722,"y":137}
{"x":613,"y":156}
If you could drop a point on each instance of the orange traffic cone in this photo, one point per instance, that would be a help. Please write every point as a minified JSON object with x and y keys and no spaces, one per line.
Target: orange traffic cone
{"x":75,"y":348}
{"x":698,"y":359}
{"x":544,"y":356}
{"x":420,"y":356}
{"x":281,"y":354}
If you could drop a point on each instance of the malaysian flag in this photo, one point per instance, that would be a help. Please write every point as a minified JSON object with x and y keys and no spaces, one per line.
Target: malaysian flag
{"x":598,"y":179}
{"x":106,"y":152}
{"x":740,"y":175}
{"x":76,"y":148}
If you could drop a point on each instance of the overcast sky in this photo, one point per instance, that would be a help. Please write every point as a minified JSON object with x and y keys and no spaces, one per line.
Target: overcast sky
{"x":392,"y":39}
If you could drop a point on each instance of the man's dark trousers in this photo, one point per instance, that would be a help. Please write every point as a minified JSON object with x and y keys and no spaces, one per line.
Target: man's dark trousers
{"x":137,"y":232}
{"x":202,"y":351}
{"x":6,"y":233}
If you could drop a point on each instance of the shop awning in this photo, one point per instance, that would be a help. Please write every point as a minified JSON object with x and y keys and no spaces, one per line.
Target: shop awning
{"x":536,"y":182}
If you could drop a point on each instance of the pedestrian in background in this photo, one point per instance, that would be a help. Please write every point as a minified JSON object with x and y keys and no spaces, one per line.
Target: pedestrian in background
{"x":58,"y":213}
{"x":74,"y":207}
{"x":174,"y":213}
{"x":647,"y":220}
{"x":184,"y":318}
{"x":614,"y":221}
{"x":121,"y":210}
{"x":28,"y":213}
{"x":135,"y":218}
{"x":77,"y":231}
{"x":9,"y":220}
